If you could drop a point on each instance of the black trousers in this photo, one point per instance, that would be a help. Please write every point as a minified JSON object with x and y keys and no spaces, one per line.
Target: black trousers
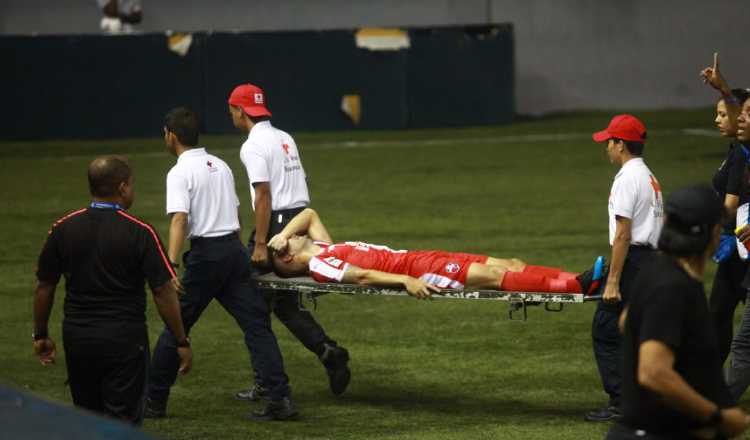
{"x":605,"y":334}
{"x":285,"y":304}
{"x":219,"y":268}
{"x":112,"y":384}
{"x":726,"y":294}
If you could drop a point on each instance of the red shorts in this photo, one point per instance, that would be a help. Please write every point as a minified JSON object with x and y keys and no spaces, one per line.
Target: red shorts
{"x":442,"y":269}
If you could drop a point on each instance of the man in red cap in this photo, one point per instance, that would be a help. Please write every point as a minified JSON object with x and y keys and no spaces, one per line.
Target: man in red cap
{"x":278,"y":188}
{"x":635,"y":221}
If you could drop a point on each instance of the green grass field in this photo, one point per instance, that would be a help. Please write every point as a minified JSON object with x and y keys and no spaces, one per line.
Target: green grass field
{"x":536,"y":190}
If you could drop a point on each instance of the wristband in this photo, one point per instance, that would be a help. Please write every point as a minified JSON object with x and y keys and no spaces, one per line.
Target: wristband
{"x":715,"y":418}
{"x":174,"y":265}
{"x":185,"y":343}
{"x":37,"y":336}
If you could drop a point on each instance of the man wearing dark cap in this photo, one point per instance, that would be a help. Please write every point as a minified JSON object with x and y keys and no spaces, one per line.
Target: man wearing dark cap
{"x":278,"y":188}
{"x":106,"y":256}
{"x":635,"y":219}
{"x":673,"y":384}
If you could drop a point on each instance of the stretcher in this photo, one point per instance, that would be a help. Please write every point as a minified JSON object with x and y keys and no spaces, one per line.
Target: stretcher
{"x":309,"y":289}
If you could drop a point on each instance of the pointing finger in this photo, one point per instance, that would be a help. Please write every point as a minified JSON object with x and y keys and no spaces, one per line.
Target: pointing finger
{"x":716,"y":61}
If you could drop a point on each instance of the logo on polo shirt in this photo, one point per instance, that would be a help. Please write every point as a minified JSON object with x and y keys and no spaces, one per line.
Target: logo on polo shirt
{"x":286,"y":148}
{"x":452,"y":267}
{"x":259,"y":98}
{"x":211,"y":167}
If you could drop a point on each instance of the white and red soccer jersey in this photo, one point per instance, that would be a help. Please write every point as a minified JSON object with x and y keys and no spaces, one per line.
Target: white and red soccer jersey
{"x":442,"y":269}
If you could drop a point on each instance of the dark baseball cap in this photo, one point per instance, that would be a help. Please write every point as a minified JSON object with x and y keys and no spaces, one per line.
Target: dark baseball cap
{"x":695,"y":208}
{"x":625,"y":127}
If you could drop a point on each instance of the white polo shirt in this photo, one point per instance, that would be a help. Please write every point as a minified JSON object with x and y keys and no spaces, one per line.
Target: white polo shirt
{"x":636,"y":195}
{"x":202,"y":185}
{"x":271,"y":155}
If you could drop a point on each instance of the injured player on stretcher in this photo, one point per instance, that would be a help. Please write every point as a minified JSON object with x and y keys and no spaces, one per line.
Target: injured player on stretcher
{"x":304,"y":247}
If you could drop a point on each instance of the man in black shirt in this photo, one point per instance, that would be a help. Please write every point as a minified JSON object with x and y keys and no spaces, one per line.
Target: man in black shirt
{"x":673,"y":386}
{"x":106,"y":255}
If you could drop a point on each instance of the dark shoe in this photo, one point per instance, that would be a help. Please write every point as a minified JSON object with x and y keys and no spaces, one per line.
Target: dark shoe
{"x":253,"y":394}
{"x":154,"y":409}
{"x":610,"y":413}
{"x":592,"y":280}
{"x":276,"y":410}
{"x":335,"y":360}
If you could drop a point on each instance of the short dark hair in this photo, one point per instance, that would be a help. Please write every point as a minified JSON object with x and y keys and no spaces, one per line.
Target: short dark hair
{"x":675,"y":242}
{"x":741,"y":95}
{"x":634,"y":148}
{"x":183,"y":122}
{"x":258,"y":118}
{"x":106,"y":173}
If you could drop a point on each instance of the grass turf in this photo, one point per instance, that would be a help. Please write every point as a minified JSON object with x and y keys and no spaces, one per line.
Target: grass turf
{"x":535,"y":190}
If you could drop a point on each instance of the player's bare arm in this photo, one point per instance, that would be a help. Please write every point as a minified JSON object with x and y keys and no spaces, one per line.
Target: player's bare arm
{"x":308,"y":223}
{"x":416,"y":287}
{"x":262,"y":222}
{"x":620,"y":247}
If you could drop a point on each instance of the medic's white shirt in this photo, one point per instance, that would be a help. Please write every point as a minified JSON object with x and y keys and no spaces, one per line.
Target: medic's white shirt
{"x":270,"y":155}
{"x":636,"y":195}
{"x":202,"y":185}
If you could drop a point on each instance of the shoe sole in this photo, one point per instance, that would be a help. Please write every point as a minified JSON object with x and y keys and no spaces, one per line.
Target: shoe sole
{"x":269,"y":418}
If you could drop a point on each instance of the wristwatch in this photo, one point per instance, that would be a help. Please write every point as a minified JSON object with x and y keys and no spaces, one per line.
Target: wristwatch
{"x":185,"y":343}
{"x":174,"y":265}
{"x":39,"y":336}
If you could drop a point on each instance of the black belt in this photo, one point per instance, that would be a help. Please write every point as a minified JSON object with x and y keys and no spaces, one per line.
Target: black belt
{"x":205,"y":240}
{"x":285,"y":213}
{"x":640,"y":247}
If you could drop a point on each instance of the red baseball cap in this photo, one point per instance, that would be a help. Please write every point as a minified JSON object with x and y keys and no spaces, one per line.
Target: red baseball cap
{"x":251,"y":98}
{"x":625,"y":127}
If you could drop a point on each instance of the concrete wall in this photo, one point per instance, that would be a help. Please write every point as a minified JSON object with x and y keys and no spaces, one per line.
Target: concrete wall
{"x":570,"y":54}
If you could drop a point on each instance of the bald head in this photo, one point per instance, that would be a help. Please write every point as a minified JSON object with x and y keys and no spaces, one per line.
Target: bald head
{"x":107,"y":174}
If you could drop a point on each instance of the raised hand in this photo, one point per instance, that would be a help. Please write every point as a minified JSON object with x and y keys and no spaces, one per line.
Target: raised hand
{"x":712,"y":76}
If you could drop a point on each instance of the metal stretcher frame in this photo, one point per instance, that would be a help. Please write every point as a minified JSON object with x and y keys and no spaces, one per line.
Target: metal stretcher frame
{"x":518,"y":300}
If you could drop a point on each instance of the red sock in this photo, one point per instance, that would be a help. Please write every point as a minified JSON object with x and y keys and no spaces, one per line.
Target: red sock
{"x":551,"y":272}
{"x":567,"y":276}
{"x":532,"y":282}
{"x":523,"y":282}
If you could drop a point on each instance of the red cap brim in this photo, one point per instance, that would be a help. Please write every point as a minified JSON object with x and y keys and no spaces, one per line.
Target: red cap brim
{"x":256,"y":111}
{"x":601,"y":136}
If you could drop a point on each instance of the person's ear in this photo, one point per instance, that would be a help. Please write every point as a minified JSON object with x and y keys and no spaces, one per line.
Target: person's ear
{"x":122,"y":188}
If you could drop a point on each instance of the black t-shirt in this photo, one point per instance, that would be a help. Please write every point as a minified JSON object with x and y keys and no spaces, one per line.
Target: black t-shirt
{"x":732,"y":177}
{"x":669,"y":306}
{"x":106,"y":255}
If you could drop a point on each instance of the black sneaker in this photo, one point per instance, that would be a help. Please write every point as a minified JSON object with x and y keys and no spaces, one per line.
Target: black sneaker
{"x":280,"y":410}
{"x":593,"y":280}
{"x":154,"y":409}
{"x":335,"y":360}
{"x":608,"y":414}
{"x":253,"y":394}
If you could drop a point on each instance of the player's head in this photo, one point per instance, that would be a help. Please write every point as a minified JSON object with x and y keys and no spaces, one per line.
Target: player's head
{"x":181,"y":127}
{"x":625,"y":136}
{"x":692,"y":225}
{"x":292,"y":262}
{"x":724,"y":122}
{"x":111,"y":178}
{"x":743,"y":123}
{"x":247,"y":106}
